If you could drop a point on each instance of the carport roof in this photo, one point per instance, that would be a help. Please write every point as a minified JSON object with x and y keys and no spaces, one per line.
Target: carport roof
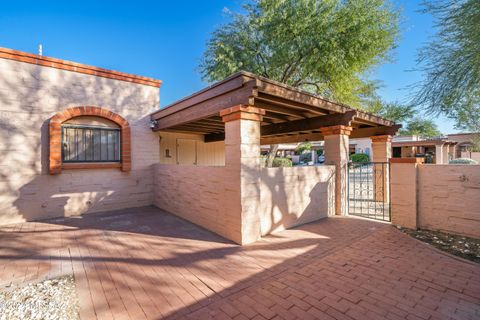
{"x":292,"y":115}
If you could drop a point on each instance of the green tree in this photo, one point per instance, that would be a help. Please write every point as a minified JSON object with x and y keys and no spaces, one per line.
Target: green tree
{"x":421,"y":127}
{"x":394,"y":111}
{"x":451,"y":63}
{"x":324,"y":46}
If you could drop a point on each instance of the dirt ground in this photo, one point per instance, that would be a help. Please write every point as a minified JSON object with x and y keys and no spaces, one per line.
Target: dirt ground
{"x":465,"y":247}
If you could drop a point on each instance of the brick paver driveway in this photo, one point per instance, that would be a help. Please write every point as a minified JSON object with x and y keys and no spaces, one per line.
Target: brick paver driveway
{"x":144,"y":263}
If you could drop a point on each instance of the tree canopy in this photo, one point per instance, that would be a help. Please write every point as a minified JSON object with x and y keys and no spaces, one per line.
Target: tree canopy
{"x":421,"y":127}
{"x":451,"y":63}
{"x":324,"y":46}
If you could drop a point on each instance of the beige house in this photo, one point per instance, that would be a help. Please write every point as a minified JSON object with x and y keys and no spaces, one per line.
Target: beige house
{"x":78,"y":139}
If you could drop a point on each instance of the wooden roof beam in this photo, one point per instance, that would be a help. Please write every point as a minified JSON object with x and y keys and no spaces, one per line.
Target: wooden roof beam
{"x":308,"y":124}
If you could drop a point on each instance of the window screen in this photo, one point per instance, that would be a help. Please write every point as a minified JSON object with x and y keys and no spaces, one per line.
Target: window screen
{"x":90,"y":144}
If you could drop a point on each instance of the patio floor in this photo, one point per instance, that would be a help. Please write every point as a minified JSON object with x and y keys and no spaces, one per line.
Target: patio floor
{"x":144,"y":263}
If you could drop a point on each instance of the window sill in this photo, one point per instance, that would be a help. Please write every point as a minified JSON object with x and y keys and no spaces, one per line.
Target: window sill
{"x":91,"y":165}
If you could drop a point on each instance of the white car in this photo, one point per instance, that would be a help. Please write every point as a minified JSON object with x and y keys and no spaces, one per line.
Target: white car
{"x":321,"y":158}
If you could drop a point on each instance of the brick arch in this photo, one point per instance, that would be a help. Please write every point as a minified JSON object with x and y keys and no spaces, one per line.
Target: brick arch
{"x":55,"y":132}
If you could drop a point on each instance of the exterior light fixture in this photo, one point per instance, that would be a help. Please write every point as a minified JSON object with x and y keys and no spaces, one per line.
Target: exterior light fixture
{"x":153,"y":123}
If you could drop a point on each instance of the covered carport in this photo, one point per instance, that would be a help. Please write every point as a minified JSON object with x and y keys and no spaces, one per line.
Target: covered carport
{"x":241,"y":200}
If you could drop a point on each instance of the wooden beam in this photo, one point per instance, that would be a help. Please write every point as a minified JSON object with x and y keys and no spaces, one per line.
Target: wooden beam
{"x":294,"y":138}
{"x":308,"y":124}
{"x":374,"y":131}
{"x":207,"y":108}
{"x":356,"y":133}
{"x":208,"y":93}
{"x":281,"y":110}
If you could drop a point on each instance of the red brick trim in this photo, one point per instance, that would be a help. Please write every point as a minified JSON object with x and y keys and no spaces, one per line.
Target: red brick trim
{"x":382,"y":138}
{"x":407,"y":160}
{"x":242,"y":112}
{"x":340,"y":129}
{"x":76,"y":67}
{"x":55,"y":131}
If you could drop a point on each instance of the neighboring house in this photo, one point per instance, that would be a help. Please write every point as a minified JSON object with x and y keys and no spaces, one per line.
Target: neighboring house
{"x":464,"y":144}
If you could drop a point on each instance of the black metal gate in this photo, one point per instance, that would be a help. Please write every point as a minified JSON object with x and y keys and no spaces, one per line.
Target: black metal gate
{"x":369,"y":190}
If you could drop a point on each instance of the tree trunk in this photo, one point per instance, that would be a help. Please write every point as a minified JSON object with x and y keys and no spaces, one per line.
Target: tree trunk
{"x":272,"y":153}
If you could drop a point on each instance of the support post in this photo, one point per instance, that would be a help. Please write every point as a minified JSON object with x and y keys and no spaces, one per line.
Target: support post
{"x":382,"y":152}
{"x":242,"y":161}
{"x":446,"y":153}
{"x":439,"y":153}
{"x":403,"y":174}
{"x":336,"y":152}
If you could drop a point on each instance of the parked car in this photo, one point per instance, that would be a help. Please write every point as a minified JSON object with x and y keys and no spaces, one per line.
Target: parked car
{"x":321,"y":158}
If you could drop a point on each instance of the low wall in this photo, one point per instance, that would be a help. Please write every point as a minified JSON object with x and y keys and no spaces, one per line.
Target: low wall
{"x":295,"y":195}
{"x":449,"y":198}
{"x":436,"y":197}
{"x":198,"y":194}
{"x":210,"y":196}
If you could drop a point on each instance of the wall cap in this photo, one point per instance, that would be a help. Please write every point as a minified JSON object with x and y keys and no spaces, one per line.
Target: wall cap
{"x":55,"y":63}
{"x":407,"y":160}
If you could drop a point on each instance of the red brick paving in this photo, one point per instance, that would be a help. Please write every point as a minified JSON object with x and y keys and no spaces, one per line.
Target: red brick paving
{"x":145,"y":264}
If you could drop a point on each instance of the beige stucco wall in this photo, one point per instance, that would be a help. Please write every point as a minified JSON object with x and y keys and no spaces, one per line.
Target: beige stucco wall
{"x":295,"y":195}
{"x":449,"y":198}
{"x":208,"y":196}
{"x":206,"y":154}
{"x":29,"y":96}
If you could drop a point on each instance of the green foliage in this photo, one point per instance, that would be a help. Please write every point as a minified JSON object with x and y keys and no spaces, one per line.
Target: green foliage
{"x":392,"y":111}
{"x":462,"y":161}
{"x":326,"y":47}
{"x":421,"y":127}
{"x":303,"y":147}
{"x":451,"y":63}
{"x":282,"y":162}
{"x":359,"y":157}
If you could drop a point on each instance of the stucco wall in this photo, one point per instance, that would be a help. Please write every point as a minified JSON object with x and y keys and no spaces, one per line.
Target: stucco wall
{"x":449,"y":198}
{"x":295,"y":195}
{"x":29,"y":96}
{"x":209,"y":196}
{"x":201,"y":194}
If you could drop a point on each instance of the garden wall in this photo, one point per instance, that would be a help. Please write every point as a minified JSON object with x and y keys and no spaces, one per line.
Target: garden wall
{"x":30,"y":94}
{"x":292,"y":196}
{"x":449,"y":198}
{"x":436,"y":197}
{"x":211,"y":196}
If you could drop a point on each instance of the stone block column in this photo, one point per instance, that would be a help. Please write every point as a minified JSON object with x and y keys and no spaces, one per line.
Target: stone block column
{"x":403,"y":174}
{"x":381,"y":154}
{"x":446,"y":153}
{"x":336,"y":151}
{"x":438,"y":153}
{"x":242,"y":163}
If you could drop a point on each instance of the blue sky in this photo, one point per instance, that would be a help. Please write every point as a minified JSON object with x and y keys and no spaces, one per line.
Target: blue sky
{"x":166,"y":39}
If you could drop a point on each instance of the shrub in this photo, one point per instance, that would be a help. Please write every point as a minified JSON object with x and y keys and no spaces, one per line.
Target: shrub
{"x":359,"y":157}
{"x":282,"y":162}
{"x":302,"y":147}
{"x":462,"y":161}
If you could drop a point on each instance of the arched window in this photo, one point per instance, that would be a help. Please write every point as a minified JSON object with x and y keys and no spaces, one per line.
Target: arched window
{"x":89,"y":138}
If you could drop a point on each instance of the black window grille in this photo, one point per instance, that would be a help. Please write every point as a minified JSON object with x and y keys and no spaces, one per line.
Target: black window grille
{"x":90,"y":144}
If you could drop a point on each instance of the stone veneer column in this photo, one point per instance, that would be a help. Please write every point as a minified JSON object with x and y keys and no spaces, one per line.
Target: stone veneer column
{"x":403,"y":175}
{"x":446,"y":152}
{"x":242,"y":161}
{"x":381,"y":153}
{"x":336,"y":151}
{"x":439,"y":153}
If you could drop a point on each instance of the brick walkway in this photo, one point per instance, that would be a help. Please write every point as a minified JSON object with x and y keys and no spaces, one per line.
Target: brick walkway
{"x":144,"y":263}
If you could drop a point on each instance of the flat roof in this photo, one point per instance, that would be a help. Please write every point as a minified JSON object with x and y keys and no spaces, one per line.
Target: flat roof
{"x":44,"y":61}
{"x":292,"y":114}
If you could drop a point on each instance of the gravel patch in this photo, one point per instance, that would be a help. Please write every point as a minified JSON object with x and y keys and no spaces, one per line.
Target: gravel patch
{"x":53,"y":299}
{"x":464,"y":247}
